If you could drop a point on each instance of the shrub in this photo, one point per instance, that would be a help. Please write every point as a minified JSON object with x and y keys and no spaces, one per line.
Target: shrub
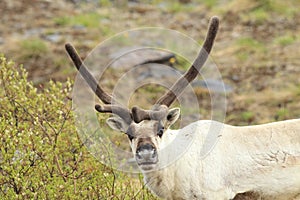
{"x":41,"y":156}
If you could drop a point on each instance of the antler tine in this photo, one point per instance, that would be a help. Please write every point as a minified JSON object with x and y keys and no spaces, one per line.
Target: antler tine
{"x":105,"y":98}
{"x":169,"y":97}
{"x":120,"y":111}
{"x":139,"y":114}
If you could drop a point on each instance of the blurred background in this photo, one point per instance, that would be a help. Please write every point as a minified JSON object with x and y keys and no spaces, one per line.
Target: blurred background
{"x":256,"y":50}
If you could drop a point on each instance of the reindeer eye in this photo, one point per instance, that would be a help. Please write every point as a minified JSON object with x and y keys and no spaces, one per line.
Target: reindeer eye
{"x":131,"y":137}
{"x":160,"y":132}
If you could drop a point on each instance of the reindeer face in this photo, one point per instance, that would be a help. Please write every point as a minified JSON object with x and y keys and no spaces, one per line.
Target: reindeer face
{"x":145,"y":137}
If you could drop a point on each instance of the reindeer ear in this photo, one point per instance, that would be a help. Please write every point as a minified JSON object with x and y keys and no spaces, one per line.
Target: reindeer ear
{"x":172,"y":116}
{"x":117,"y":124}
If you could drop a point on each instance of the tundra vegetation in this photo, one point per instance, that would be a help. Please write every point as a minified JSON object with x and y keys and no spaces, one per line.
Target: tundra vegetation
{"x":41,"y":157}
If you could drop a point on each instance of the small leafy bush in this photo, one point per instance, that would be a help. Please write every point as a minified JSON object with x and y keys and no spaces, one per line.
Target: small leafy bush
{"x":41,"y":156}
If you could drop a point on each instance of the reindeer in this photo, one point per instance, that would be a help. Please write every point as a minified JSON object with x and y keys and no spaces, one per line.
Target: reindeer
{"x":250,"y":162}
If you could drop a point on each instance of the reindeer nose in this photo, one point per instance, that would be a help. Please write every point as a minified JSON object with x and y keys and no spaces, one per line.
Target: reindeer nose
{"x":146,"y":154}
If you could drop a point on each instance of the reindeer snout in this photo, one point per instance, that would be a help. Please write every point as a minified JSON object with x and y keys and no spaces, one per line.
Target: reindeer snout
{"x":146,"y":154}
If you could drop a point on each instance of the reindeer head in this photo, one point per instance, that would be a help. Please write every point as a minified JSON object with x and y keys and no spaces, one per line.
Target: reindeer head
{"x":145,"y":136}
{"x":146,"y":128}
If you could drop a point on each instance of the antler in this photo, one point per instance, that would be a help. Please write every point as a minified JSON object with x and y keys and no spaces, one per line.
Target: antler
{"x":160,"y":109}
{"x":169,"y":97}
{"x":103,"y":96}
{"x":158,"y":113}
{"x":124,"y":113}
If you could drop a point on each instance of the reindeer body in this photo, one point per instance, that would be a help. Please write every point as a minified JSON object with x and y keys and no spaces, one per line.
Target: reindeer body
{"x":261,"y":160}
{"x":264,"y":159}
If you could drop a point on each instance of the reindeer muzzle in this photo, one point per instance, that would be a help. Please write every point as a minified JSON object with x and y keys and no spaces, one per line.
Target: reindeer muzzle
{"x":146,"y":154}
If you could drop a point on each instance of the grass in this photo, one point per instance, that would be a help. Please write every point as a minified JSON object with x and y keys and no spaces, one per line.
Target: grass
{"x":282,"y":114}
{"x":177,"y":7}
{"x":92,"y":21}
{"x":260,"y":11}
{"x":247,"y":116}
{"x":89,"y":20}
{"x":267,"y":8}
{"x":284,"y":8}
{"x":249,"y":43}
{"x":297,"y":90}
{"x":181,"y":63}
{"x":210,"y":3}
{"x":259,"y":16}
{"x":247,"y":46}
{"x":285,"y":40}
{"x":33,"y":48}
{"x":105,"y":3}
{"x":147,"y":95}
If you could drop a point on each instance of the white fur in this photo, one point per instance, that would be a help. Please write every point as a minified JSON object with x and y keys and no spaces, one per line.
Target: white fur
{"x":262,"y":158}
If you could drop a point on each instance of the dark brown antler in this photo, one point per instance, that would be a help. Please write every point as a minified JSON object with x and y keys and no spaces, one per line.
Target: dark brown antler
{"x":103,"y":96}
{"x":160,"y":109}
{"x":124,"y":113}
{"x":157,"y":113}
{"x":169,"y":97}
